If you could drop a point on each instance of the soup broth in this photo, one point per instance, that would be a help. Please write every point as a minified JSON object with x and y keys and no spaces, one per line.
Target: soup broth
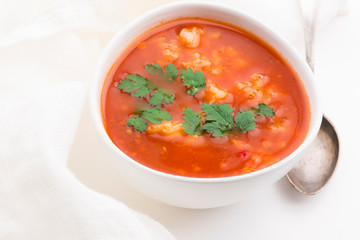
{"x":238,"y":71}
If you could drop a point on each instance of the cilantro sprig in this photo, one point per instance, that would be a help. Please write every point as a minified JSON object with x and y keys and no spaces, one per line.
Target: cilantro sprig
{"x":195,"y":81}
{"x":171,"y":72}
{"x":154,"y":115}
{"x":264,"y":110}
{"x":140,"y":87}
{"x":245,"y":121}
{"x":138,"y":123}
{"x":161,"y":96}
{"x":155,"y":69}
{"x":137,"y":85}
{"x":192,"y":122}
{"x":219,"y":119}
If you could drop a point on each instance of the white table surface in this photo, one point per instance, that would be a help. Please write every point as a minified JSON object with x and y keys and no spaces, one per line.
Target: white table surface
{"x":278,"y":212}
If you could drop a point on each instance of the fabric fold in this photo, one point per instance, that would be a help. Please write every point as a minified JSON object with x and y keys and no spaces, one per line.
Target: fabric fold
{"x":41,"y":198}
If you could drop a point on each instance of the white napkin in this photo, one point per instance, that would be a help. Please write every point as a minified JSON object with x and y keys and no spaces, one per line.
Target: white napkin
{"x":47,"y":56}
{"x":40,"y":198}
{"x":40,"y":107}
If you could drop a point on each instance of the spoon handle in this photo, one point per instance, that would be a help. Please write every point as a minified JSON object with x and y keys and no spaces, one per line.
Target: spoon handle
{"x":309,"y":11}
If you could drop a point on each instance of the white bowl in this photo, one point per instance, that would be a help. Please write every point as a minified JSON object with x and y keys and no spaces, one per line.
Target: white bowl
{"x":200,"y":192}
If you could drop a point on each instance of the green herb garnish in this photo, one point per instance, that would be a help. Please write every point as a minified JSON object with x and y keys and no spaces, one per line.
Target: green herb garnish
{"x":140,"y":86}
{"x":137,"y":85}
{"x":161,"y":96}
{"x":195,"y":81}
{"x":264,"y":110}
{"x":154,"y":115}
{"x":245,"y":120}
{"x":155,"y":69}
{"x":138,"y":123}
{"x":171,"y":72}
{"x":218,"y":118}
{"x":192,"y":123}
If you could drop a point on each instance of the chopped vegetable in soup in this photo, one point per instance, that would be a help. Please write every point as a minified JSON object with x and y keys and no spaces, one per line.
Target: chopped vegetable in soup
{"x":199,"y":98}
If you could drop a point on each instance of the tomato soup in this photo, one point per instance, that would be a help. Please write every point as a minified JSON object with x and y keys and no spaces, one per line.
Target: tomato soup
{"x":199,"y":98}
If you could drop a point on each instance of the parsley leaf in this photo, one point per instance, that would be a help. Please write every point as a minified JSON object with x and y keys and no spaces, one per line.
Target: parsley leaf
{"x":218,"y":118}
{"x":215,"y":129}
{"x":140,"y":86}
{"x":137,"y":84}
{"x":154,"y":69}
{"x":245,"y":120}
{"x":161,"y":95}
{"x":138,"y":123}
{"x":171,"y":71}
{"x":263,"y":109}
{"x":191,"y":125}
{"x":194,"y":80}
{"x":155,"y":115}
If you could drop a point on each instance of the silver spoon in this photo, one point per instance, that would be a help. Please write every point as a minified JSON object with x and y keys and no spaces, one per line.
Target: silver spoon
{"x":315,"y":169}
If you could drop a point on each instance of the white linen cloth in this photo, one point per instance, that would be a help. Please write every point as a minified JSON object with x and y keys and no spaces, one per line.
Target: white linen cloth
{"x":40,"y":198}
{"x":48,"y":51}
{"x":44,"y":65}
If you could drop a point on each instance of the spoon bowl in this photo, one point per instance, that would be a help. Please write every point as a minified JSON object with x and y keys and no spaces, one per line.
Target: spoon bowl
{"x":317,"y":166}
